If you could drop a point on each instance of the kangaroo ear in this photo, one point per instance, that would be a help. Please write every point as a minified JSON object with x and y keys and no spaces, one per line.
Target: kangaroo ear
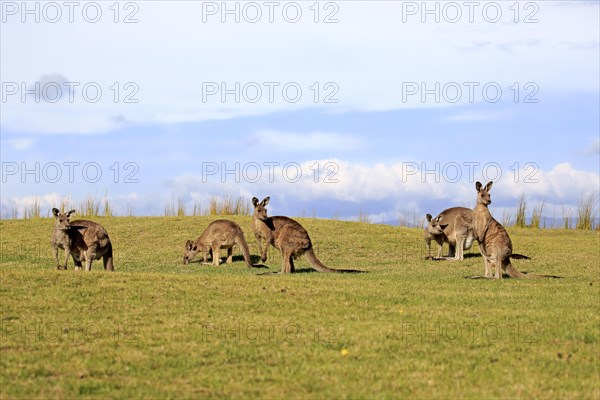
{"x":55,"y":212}
{"x":488,"y":186}
{"x":478,"y":186}
{"x":194,"y":248}
{"x":188,"y":245}
{"x":439,"y":218}
{"x":266,"y":201}
{"x":254,"y":201}
{"x":71,"y":212}
{"x":428,"y":216}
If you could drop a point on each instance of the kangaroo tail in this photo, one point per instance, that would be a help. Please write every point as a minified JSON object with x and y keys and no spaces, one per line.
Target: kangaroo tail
{"x":520,"y":257}
{"x":241,"y":242}
{"x":107,"y":259}
{"x":513,"y":273}
{"x":319,"y":266}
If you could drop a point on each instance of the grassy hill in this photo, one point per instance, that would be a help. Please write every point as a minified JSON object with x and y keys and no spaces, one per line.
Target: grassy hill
{"x":409,"y":328}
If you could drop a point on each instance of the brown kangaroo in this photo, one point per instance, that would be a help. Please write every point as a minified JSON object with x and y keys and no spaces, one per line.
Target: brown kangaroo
{"x":456,"y":226}
{"x":456,"y":230}
{"x":82,"y":239}
{"x":433,"y":231}
{"x":220,"y":234}
{"x":286,"y":235}
{"x":494,"y":242}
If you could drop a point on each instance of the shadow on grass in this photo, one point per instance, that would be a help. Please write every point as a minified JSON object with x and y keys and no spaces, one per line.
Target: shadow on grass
{"x":506,"y":276}
{"x":254,"y":260}
{"x":472,"y":255}
{"x":447,"y":258}
{"x":311,"y":270}
{"x":297,"y":271}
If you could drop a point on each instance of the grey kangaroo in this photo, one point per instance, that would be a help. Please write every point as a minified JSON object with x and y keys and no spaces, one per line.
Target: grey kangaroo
{"x":494,"y":242}
{"x":220,"y":234}
{"x":82,"y":239}
{"x":433,"y":231}
{"x":456,"y":225}
{"x":452,"y":226}
{"x":286,"y":235}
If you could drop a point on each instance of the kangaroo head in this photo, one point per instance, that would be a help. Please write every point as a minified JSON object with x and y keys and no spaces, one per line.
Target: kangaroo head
{"x":483,"y":193}
{"x":260,"y":211}
{"x":434,"y":227}
{"x":190,"y":252}
{"x":62,"y":220}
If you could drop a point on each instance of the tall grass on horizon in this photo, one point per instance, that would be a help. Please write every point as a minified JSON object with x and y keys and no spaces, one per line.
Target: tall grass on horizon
{"x":364,"y":217}
{"x":228,"y":205}
{"x":108,"y":211}
{"x":508,"y":218}
{"x":180,"y":207}
{"x":197,"y":210}
{"x":411,"y":220}
{"x":175,"y":208}
{"x":520,"y":217}
{"x":33,"y":210}
{"x":585,"y":217}
{"x":89,"y":207}
{"x":567,"y":216}
{"x":536,"y":215}
{"x":64,"y":204}
{"x":586,"y":211}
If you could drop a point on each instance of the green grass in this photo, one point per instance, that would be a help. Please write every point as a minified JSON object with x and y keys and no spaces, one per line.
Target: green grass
{"x":409,"y":328}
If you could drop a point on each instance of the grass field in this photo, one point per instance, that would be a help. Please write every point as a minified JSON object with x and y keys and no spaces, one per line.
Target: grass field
{"x":409,"y":328}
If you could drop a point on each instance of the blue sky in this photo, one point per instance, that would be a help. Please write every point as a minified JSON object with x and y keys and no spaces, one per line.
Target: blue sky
{"x":371,"y":133}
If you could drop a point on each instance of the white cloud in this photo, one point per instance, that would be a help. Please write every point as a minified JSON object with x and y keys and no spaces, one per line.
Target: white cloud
{"x":562,"y":183}
{"x":399,"y":188}
{"x":386,"y":192}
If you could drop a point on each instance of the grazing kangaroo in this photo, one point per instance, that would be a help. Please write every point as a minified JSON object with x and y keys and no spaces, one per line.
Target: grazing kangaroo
{"x":286,"y":235}
{"x":220,"y":234}
{"x":494,"y":242}
{"x":82,"y":239}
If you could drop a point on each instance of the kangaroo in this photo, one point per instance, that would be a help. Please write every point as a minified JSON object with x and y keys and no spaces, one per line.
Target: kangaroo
{"x":286,"y":235}
{"x":82,"y":239}
{"x":494,"y":242}
{"x":220,"y":234}
{"x":433,"y":231}
{"x":456,"y":224}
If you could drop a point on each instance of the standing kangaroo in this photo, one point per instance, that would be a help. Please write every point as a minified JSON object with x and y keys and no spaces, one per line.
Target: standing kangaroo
{"x":82,"y":239}
{"x":433,"y":231}
{"x":452,"y":226}
{"x":494,"y":242}
{"x":220,"y":234}
{"x":286,"y":235}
